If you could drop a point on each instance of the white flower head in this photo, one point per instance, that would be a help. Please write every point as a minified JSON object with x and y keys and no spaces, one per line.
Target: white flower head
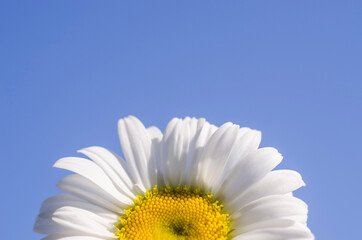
{"x":194,"y":181}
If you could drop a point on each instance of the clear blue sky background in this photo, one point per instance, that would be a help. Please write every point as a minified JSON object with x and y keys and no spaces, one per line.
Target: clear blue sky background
{"x":293,"y":69}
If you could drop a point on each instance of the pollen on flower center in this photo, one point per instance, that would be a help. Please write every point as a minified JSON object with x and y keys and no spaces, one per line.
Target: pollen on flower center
{"x":177,"y":213}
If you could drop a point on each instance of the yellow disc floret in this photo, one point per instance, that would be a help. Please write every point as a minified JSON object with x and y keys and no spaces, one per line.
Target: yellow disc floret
{"x":174,"y":214}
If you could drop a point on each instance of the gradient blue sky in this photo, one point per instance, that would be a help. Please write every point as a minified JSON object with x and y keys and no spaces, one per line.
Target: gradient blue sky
{"x":292,"y":69}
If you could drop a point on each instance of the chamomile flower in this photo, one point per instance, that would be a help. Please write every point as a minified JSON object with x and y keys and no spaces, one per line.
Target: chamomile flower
{"x":194,"y":181}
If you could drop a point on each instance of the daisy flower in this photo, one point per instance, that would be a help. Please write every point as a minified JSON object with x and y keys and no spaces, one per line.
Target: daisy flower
{"x":194,"y":181}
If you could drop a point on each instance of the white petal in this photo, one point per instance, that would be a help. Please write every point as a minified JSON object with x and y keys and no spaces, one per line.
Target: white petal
{"x":136,"y":147}
{"x":83,"y":188}
{"x":248,"y":141}
{"x":44,"y":225}
{"x":216,"y":154}
{"x":47,"y":222}
{"x":279,"y":182}
{"x":72,"y":235}
{"x":270,"y":208}
{"x":155,"y":162}
{"x":246,"y":173}
{"x":295,"y":232}
{"x":203,"y":133}
{"x":83,"y":221}
{"x":175,"y":149}
{"x":94,"y":173}
{"x":154,"y":133}
{"x":53,"y":203}
{"x":114,"y":167}
{"x":178,"y":148}
{"x":273,"y":223}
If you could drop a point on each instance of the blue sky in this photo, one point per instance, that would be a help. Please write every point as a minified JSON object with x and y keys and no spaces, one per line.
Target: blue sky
{"x":292,"y":69}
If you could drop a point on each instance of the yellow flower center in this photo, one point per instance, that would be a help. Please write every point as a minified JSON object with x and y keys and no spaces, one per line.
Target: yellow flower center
{"x":174,"y":214}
